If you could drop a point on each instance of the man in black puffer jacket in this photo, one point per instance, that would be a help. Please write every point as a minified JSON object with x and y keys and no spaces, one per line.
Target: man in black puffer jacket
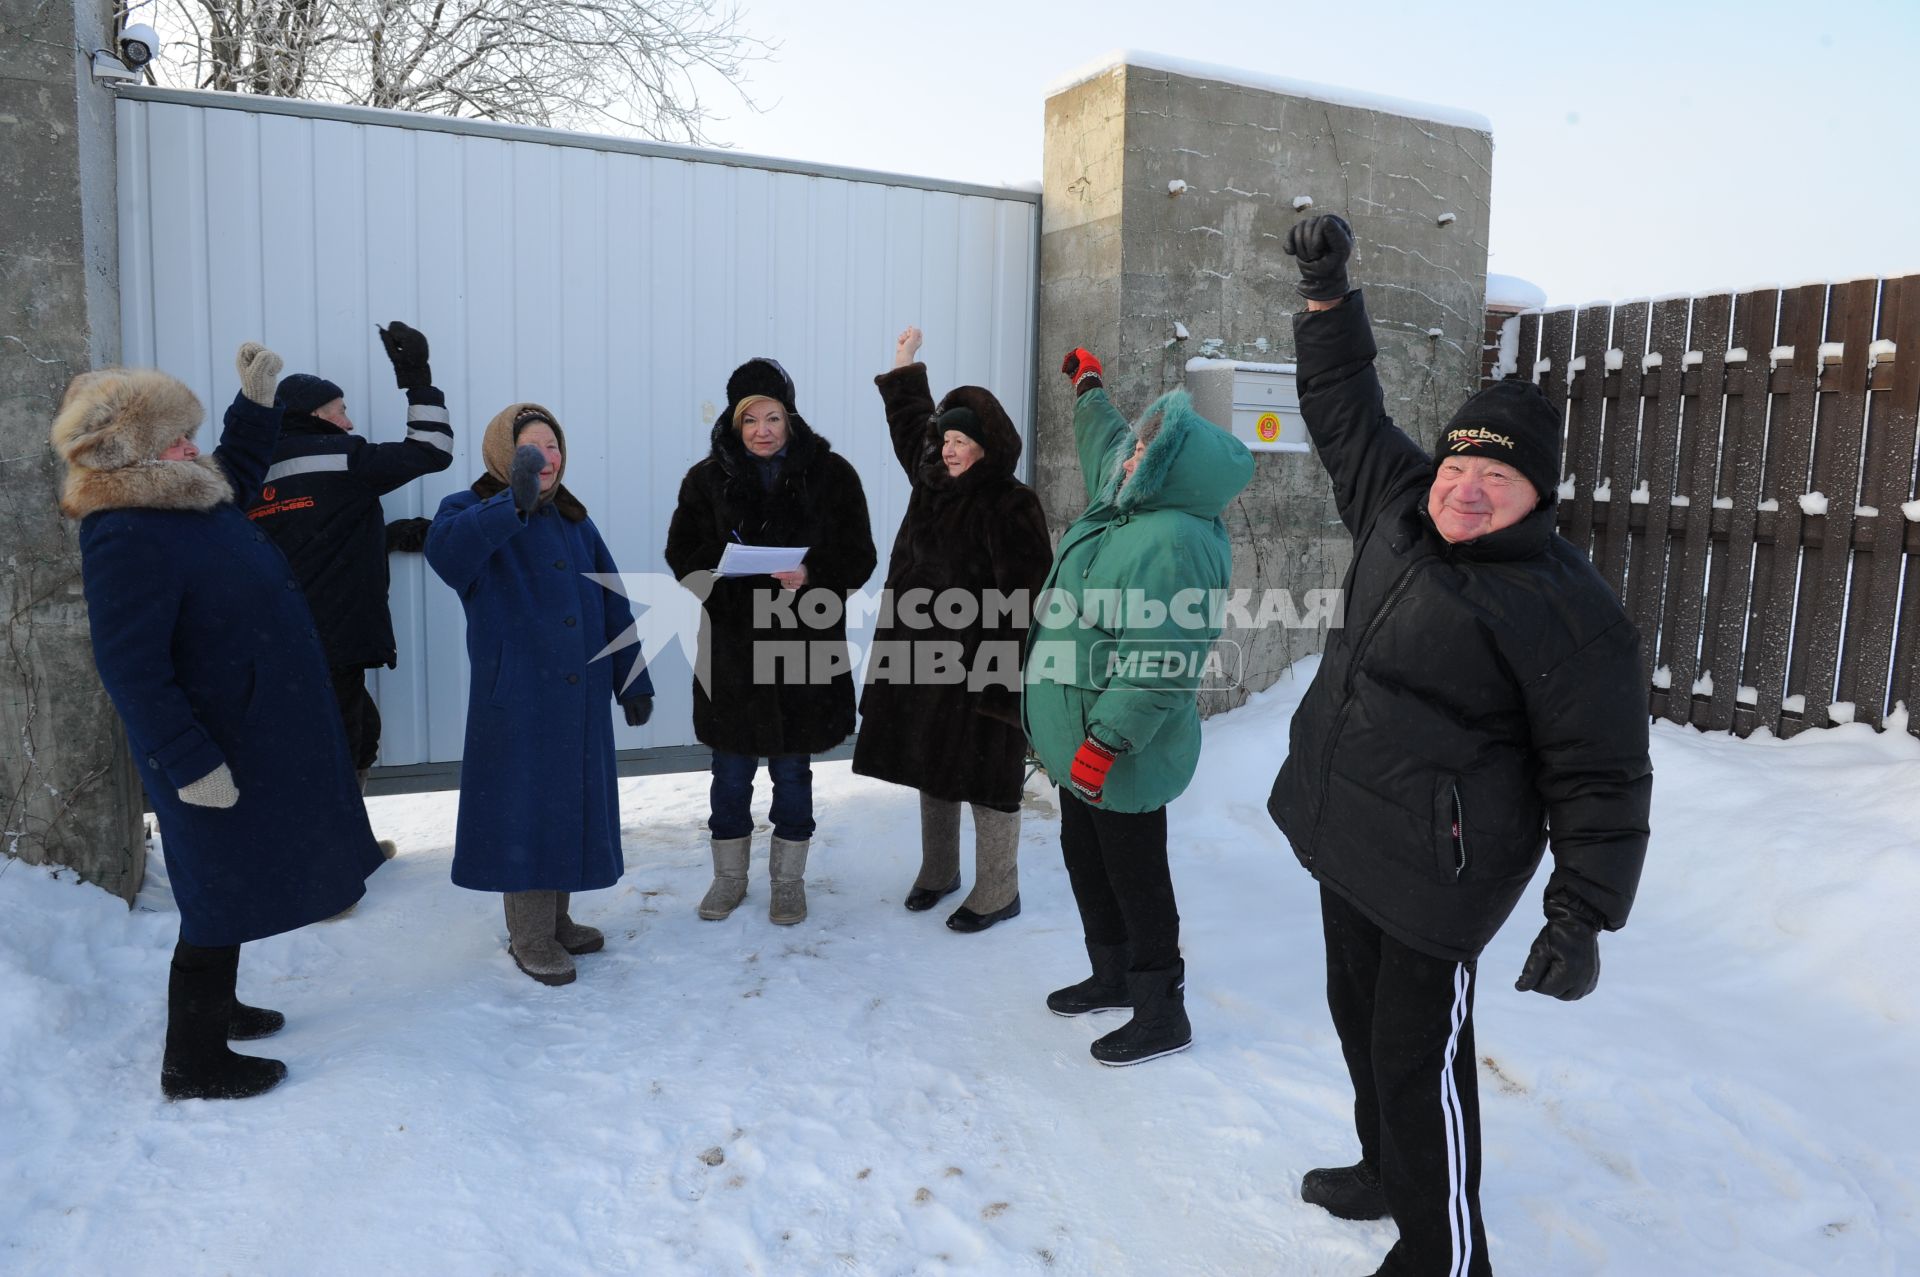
{"x":321,"y":505}
{"x":1484,"y":691}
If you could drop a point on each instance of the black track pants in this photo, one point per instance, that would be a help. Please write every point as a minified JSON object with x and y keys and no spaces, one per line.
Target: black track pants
{"x":1405,"y":1021}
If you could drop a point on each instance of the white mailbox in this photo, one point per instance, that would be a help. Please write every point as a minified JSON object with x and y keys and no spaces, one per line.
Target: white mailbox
{"x":1258,"y":402}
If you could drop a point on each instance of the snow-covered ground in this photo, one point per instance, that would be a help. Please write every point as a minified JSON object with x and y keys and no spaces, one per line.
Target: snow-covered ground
{"x":870,"y":1093}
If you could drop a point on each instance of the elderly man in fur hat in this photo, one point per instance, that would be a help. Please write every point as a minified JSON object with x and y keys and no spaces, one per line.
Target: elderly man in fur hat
{"x":1484,"y":690}
{"x":321,"y":506}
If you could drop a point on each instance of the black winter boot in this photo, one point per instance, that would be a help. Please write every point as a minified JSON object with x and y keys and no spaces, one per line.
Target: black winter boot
{"x":1349,"y":1192}
{"x":247,"y":1023}
{"x":1104,"y":990}
{"x":200,"y":1008}
{"x":1159,"y":1024}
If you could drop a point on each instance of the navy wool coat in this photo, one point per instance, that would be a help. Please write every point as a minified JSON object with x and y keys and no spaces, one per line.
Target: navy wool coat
{"x":206,"y":646}
{"x":539,"y":806}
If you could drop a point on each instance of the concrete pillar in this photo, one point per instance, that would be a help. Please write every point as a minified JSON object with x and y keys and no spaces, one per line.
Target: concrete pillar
{"x":68,"y":792}
{"x":1167,"y":192}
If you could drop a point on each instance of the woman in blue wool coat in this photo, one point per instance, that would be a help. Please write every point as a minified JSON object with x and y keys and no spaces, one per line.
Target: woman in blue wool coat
{"x":206,"y":647}
{"x":539,"y":805}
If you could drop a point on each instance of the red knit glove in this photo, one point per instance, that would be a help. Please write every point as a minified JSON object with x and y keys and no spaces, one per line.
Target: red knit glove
{"x":1090,"y":767}
{"x":1081,"y":365}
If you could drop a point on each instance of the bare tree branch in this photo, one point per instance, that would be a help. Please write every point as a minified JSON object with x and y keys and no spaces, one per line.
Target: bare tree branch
{"x":634,"y":65}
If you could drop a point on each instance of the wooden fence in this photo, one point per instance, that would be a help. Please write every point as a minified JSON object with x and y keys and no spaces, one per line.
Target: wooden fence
{"x":1743,"y":474}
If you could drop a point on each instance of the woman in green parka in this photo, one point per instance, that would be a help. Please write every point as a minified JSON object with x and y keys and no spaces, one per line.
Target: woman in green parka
{"x":1115,"y":658}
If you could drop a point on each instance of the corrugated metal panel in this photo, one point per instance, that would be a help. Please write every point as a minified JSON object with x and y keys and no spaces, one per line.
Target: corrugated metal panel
{"x":618,"y":286}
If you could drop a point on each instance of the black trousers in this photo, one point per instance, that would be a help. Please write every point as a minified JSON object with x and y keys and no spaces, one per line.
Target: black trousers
{"x":1117,"y":863}
{"x":1405,"y":1021}
{"x":358,"y":714}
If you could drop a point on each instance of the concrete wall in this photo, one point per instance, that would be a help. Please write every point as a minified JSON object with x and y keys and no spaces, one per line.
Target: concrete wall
{"x":68,"y":793}
{"x":1122,"y":261}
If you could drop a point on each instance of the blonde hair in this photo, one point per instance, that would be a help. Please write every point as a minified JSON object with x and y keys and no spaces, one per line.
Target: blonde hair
{"x":740,"y":409}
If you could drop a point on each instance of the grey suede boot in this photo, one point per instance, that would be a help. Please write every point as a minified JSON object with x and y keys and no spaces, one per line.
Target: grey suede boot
{"x":729,"y":878}
{"x":530,"y":919}
{"x":575,"y":937}
{"x":387,"y":848}
{"x":996,"y":871}
{"x":939,"y":853}
{"x":787,"y":866}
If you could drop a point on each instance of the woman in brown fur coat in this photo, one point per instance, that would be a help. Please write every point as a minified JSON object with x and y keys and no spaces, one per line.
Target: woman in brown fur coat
{"x":973,"y":538}
{"x":206,"y":647}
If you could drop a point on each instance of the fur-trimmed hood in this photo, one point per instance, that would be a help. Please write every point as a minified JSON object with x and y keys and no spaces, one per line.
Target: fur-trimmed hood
{"x":112,"y":426}
{"x":978,"y":415}
{"x":1190,"y":463}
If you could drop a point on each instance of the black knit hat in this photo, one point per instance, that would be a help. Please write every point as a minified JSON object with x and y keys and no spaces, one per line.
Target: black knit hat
{"x":1509,"y":421}
{"x":965,"y":420}
{"x":760,"y":376}
{"x":303,"y":392}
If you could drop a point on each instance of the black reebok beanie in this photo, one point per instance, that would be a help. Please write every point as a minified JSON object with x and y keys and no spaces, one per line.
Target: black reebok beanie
{"x":303,"y":392}
{"x":1509,"y":421}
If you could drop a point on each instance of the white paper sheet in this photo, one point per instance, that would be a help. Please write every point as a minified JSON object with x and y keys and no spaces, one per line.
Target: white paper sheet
{"x":759,"y":560}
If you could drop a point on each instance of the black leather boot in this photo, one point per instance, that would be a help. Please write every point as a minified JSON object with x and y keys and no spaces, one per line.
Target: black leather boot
{"x":200,"y":1012}
{"x":1159,"y":1025}
{"x":1349,"y":1192}
{"x":1104,"y":990}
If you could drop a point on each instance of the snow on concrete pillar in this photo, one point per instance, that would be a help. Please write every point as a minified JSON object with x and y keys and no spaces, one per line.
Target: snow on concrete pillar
{"x":1168,"y":189}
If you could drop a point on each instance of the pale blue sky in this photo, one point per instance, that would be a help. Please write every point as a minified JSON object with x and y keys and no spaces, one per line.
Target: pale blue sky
{"x":1639,"y":148}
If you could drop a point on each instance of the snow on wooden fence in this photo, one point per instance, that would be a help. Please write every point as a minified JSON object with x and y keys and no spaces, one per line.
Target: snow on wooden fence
{"x":1741,"y":468}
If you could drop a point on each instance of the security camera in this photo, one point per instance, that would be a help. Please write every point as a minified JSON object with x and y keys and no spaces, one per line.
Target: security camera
{"x":138,"y":44}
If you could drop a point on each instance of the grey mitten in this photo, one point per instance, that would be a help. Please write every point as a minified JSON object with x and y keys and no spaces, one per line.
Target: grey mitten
{"x":1321,"y":245}
{"x":215,"y":789}
{"x":524,"y":481}
{"x":259,"y":370}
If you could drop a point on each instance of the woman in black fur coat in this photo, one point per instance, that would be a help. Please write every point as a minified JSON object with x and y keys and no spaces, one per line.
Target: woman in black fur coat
{"x":773,"y":679}
{"x":969,"y":560}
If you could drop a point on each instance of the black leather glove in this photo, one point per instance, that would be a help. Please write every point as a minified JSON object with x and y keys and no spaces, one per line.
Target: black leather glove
{"x":407,"y":536}
{"x":639,"y":709}
{"x":524,"y":481}
{"x":407,"y":349}
{"x":1321,"y":246}
{"x":1565,"y":959}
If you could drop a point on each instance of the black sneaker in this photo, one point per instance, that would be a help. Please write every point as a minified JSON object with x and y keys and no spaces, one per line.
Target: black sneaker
{"x":1348,"y":1192}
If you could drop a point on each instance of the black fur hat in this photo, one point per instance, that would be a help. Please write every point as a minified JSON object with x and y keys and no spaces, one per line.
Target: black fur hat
{"x":760,"y":376}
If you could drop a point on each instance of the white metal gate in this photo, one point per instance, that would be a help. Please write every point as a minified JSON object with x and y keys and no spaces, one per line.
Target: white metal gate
{"x":617,"y":282}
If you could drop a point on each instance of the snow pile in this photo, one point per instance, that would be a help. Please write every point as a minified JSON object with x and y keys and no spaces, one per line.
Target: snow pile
{"x":870,"y":1093}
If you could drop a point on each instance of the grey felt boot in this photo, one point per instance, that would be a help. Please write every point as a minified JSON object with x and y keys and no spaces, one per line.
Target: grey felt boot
{"x":939,"y":853}
{"x":996,"y":871}
{"x":575,"y":937}
{"x":729,"y":878}
{"x":787,"y":866}
{"x":530,"y":925}
{"x":387,"y":847}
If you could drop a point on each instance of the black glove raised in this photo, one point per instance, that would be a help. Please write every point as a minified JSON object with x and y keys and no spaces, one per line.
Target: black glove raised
{"x":407,"y":536}
{"x":639,"y":709}
{"x":1321,"y":246}
{"x":407,"y":350}
{"x":1564,"y":962}
{"x":524,"y":481}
